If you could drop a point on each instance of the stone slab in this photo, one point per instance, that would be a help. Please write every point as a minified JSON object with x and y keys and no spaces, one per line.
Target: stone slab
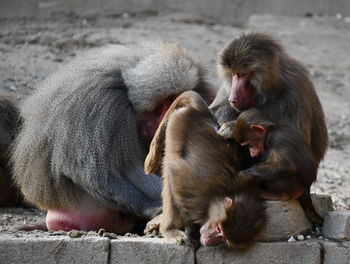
{"x":31,"y":249}
{"x":336,"y":253}
{"x":284,"y":219}
{"x":337,"y":225}
{"x":149,"y":250}
{"x":264,"y":253}
{"x":23,"y":248}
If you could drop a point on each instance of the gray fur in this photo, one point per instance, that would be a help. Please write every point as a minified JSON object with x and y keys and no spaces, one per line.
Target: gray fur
{"x":80,"y":127}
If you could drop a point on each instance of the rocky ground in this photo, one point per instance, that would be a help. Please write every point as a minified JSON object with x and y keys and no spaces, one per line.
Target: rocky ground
{"x":30,"y":50}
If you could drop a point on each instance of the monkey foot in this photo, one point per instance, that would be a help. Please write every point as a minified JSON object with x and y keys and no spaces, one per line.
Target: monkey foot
{"x":107,"y":219}
{"x":153,"y":225}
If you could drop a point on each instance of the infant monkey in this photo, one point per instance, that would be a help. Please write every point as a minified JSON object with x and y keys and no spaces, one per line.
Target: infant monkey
{"x":204,"y":200}
{"x":286,"y":167}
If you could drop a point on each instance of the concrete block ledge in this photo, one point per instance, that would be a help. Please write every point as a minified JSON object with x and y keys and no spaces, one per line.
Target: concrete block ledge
{"x":42,"y":248}
{"x":336,"y":252}
{"x":45,"y":249}
{"x":149,"y":250}
{"x":337,"y":225}
{"x":264,"y":252}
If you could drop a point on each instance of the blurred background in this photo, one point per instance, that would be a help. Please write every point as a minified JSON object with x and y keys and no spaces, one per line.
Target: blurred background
{"x":225,"y":11}
{"x":37,"y":36}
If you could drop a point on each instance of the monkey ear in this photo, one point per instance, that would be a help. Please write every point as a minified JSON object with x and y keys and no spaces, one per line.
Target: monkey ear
{"x":228,"y":203}
{"x":259,"y":129}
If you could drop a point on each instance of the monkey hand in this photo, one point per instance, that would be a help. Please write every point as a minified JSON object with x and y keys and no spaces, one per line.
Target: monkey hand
{"x":152,"y":227}
{"x":226,"y":130}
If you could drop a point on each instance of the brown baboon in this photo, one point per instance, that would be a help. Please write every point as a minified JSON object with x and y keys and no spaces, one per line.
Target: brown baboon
{"x":258,"y":73}
{"x":287,"y":166}
{"x":203,"y":199}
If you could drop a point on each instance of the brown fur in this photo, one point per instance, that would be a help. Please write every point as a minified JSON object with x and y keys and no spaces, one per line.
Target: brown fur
{"x":283,"y":87}
{"x":287,"y":167}
{"x":9,"y":122}
{"x":199,"y":171}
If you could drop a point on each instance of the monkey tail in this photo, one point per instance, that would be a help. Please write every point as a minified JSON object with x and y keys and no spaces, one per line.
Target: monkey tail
{"x":309,"y":209}
{"x":187,"y":99}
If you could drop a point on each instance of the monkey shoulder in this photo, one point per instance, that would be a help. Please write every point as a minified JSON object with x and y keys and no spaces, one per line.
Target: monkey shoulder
{"x":286,"y":143}
{"x":290,"y":147}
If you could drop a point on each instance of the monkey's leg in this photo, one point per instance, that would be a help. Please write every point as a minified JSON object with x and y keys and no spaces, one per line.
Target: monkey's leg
{"x":171,"y":220}
{"x":309,"y":209}
{"x":281,"y":189}
{"x":304,"y":200}
{"x":274,"y":197}
{"x":291,"y":189}
{"x":153,"y":160}
{"x":89,"y":215}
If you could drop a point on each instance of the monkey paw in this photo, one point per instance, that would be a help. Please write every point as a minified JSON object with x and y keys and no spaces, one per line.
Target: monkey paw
{"x":226,"y":130}
{"x":177,"y":236}
{"x":152,"y":227}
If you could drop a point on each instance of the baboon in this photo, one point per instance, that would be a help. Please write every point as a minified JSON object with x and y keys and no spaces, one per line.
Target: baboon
{"x":9,"y":123}
{"x":287,"y":165}
{"x":87,"y":128}
{"x":203,"y":198}
{"x":258,"y":73}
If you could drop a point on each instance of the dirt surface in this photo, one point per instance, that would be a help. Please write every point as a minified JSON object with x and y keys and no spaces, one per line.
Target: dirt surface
{"x":30,"y":50}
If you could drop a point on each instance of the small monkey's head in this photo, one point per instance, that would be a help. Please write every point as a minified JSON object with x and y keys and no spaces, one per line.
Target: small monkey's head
{"x":245,"y":220}
{"x":212,"y":232}
{"x":250,"y":130}
{"x":249,"y":65}
{"x":235,"y":222}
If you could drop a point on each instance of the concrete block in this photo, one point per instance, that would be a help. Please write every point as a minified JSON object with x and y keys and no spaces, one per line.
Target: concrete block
{"x":336,"y":225}
{"x":149,"y":250}
{"x":336,"y":253}
{"x":284,"y":219}
{"x":61,"y":249}
{"x":263,"y":253}
{"x":323,"y":203}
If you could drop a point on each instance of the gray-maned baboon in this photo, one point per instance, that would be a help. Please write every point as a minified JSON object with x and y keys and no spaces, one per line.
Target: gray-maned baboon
{"x":87,"y":129}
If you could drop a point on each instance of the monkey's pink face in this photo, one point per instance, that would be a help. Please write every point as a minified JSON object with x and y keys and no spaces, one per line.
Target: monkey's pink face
{"x":149,"y":122}
{"x":256,"y":148}
{"x":242,"y":93}
{"x":211,"y":234}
